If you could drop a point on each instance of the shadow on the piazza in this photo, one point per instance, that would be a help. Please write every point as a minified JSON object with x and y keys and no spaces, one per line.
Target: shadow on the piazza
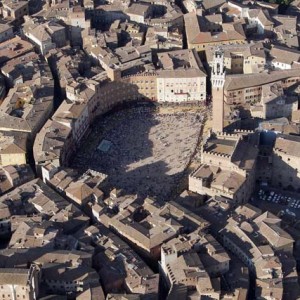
{"x":128,"y":161}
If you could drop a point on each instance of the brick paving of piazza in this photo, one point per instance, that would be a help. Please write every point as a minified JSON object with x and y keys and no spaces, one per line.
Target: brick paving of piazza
{"x":149,"y":150}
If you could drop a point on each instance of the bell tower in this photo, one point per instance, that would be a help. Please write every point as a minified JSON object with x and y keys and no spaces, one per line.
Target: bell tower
{"x":217,"y":83}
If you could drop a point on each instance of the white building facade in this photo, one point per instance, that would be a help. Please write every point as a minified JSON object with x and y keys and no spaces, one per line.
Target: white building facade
{"x":172,"y":86}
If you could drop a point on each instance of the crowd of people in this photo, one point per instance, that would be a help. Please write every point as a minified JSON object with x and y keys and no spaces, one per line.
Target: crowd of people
{"x":148,"y":153}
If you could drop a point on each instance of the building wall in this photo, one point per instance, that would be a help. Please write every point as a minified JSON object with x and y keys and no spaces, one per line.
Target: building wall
{"x":43,"y":117}
{"x":229,"y":244}
{"x":222,"y":161}
{"x":16,"y":14}
{"x":205,"y":187}
{"x":13,"y":159}
{"x":166,"y":258}
{"x":247,"y":188}
{"x":197,"y":185}
{"x":181,"y":89}
{"x":143,"y":86}
{"x":44,"y":46}
{"x":11,"y":292}
{"x":190,"y":5}
{"x":29,"y":291}
{"x":242,"y":195}
{"x":6,"y":35}
{"x":219,"y":268}
{"x":134,"y":236}
{"x":137,"y":18}
{"x":59,"y":38}
{"x":252,"y":61}
{"x":111,"y":93}
{"x":290,"y":81}
{"x":279,"y":108}
{"x":75,"y":36}
{"x":5,"y":227}
{"x":253,"y":93}
{"x":67,"y":151}
{"x":234,"y":64}
{"x":108,"y":16}
{"x":280,"y":65}
{"x":61,"y":286}
{"x":286,"y":171}
{"x":80,"y":125}
{"x":239,"y":64}
{"x":202,"y":46}
{"x":47,"y":174}
{"x":242,"y":96}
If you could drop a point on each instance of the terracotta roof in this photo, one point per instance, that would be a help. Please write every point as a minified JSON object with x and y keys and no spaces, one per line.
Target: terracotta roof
{"x":12,"y":149}
{"x":241,"y":81}
{"x":14,"y":276}
{"x":79,"y":190}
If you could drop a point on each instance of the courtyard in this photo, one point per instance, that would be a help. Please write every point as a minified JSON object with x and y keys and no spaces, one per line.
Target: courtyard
{"x":142,"y":151}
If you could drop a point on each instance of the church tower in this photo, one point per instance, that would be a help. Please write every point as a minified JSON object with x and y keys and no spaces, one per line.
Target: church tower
{"x":217,"y":84}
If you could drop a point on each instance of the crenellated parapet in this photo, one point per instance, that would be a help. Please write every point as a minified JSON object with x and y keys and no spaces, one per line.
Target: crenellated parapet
{"x":243,"y":131}
{"x":216,"y":154}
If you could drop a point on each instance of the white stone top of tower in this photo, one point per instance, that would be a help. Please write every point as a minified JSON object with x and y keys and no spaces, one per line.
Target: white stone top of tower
{"x":218,"y":69}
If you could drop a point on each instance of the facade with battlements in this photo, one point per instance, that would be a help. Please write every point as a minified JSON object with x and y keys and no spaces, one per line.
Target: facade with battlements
{"x":227,"y":169}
